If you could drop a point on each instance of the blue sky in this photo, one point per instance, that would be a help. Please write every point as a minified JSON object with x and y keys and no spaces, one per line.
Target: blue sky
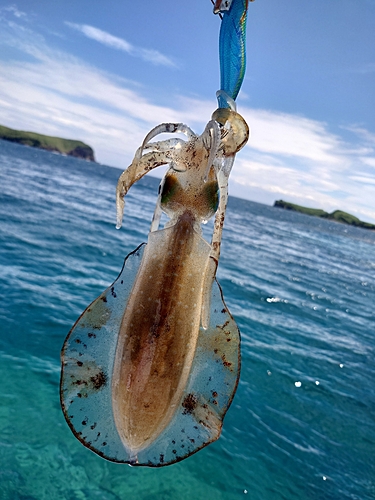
{"x":107,"y":72}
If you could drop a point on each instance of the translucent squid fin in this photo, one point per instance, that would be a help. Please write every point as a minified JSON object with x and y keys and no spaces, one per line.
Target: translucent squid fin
{"x":87,"y":364}
{"x":209,"y":392}
{"x":86,"y":384}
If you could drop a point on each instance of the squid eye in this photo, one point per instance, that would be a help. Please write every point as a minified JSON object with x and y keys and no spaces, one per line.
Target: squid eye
{"x":170,"y":188}
{"x":235,"y":131}
{"x":212,"y":193}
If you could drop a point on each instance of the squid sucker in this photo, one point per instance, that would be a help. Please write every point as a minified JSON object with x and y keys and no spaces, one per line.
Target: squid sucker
{"x":151,"y":366}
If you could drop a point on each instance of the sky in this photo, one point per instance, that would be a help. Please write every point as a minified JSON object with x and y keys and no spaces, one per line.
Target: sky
{"x":107,"y":72}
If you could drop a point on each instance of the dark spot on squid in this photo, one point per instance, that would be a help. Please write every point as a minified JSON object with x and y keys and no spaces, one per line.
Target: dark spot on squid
{"x":225,"y":362}
{"x":79,"y":382}
{"x":104,"y":443}
{"x":98,"y":381}
{"x":192,"y":440}
{"x":223,"y":310}
{"x":93,"y":426}
{"x":174,"y":452}
{"x":214,"y":401}
{"x":113,"y":292}
{"x":92,"y":335}
{"x":104,"y":299}
{"x":122,"y":282}
{"x":173,"y":441}
{"x":171,"y":127}
{"x":84,"y":422}
{"x":216,"y":351}
{"x":78,"y":341}
{"x":79,"y":363}
{"x":214,"y":394}
{"x":189,"y":404}
{"x":161,"y":458}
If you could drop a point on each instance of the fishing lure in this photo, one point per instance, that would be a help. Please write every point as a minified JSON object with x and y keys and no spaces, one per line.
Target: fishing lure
{"x":232,"y":48}
{"x":151,"y":366}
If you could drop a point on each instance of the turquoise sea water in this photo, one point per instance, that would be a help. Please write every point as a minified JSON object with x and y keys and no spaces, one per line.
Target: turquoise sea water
{"x":302,"y":424}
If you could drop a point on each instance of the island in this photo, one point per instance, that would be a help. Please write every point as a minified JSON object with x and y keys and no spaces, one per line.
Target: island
{"x":68,"y":147}
{"x":337,"y":215}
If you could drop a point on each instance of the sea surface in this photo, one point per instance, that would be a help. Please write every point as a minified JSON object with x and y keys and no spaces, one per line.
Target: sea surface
{"x":302,"y":290}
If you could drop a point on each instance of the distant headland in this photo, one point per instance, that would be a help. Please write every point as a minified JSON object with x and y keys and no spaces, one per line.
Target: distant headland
{"x":337,"y":215}
{"x":68,"y":147}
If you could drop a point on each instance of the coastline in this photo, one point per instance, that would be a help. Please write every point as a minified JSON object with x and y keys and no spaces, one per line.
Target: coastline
{"x":336,"y":216}
{"x":69,"y":147}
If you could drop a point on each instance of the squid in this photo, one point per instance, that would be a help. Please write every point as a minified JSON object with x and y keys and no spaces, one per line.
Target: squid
{"x":151,"y":366}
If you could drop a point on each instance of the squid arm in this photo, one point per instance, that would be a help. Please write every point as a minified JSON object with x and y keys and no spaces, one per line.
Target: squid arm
{"x":141,"y":165}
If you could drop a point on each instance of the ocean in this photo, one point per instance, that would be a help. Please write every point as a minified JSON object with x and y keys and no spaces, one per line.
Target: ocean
{"x":302,"y":290}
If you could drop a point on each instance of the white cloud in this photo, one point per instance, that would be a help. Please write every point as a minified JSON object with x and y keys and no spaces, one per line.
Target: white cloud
{"x":114,"y":42}
{"x":321,"y":178}
{"x":368,"y":160}
{"x":365,"y":135}
{"x":288,"y":156}
{"x":13,"y":10}
{"x":299,"y":136}
{"x":363,"y":179}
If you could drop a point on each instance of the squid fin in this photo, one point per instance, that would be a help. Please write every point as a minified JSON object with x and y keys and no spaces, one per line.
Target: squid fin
{"x":86,"y":382}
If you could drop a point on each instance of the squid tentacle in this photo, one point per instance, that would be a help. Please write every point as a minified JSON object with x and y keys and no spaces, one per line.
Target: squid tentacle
{"x":170,"y":128}
{"x":136,"y":170}
{"x":211,"y":141}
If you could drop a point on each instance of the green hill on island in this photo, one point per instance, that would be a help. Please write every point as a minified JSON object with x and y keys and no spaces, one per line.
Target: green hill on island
{"x":68,"y":147}
{"x":337,"y":215}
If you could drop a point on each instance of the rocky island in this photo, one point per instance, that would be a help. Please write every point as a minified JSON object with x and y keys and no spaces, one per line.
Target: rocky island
{"x":337,"y":215}
{"x":68,"y":147}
